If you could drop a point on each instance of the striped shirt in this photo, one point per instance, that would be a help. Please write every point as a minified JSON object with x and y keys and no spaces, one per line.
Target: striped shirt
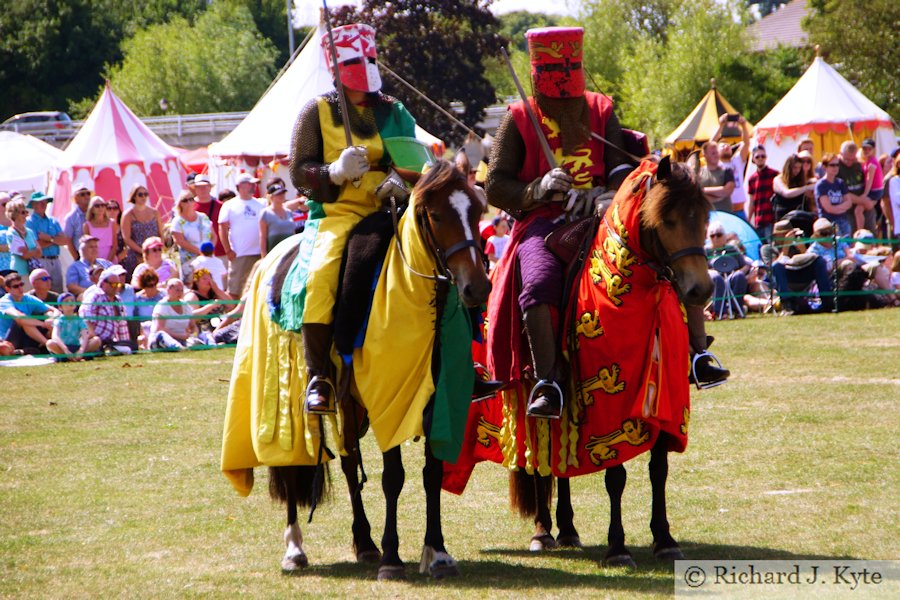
{"x":760,"y":187}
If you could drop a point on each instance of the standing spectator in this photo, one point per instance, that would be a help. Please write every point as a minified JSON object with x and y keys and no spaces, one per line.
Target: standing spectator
{"x":41,"y":284}
{"x":190,"y":229}
{"x":99,"y":225}
{"x":70,"y":332}
{"x":102,"y":309}
{"x":173,"y":325}
{"x":17,"y":311}
{"x":239,"y":232}
{"x":141,"y":222}
{"x":5,"y":225}
{"x":78,"y":276}
{"x":115,"y":215}
{"x":850,"y":171}
{"x":892,"y":206}
{"x":790,"y":189}
{"x":73,"y":225}
{"x":496,"y":244}
{"x":866,"y":212}
{"x":153,"y":259}
{"x":808,"y":145}
{"x":736,"y":162}
{"x":833,"y":199}
{"x":210,"y":206}
{"x":23,"y":244}
{"x":760,"y":187}
{"x":276,"y":222}
{"x":211,"y":263}
{"x":717,"y":181}
{"x":50,"y":237}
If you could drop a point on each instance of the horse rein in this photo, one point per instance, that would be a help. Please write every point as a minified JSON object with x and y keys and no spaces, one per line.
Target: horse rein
{"x":445,"y":275}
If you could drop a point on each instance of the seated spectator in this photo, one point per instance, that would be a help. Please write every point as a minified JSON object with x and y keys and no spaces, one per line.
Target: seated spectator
{"x":78,"y":275}
{"x":153,"y":258}
{"x":17,"y":323}
{"x":791,"y":188}
{"x":728,"y":266}
{"x":833,"y":198}
{"x":146,"y":298}
{"x":795,"y":270}
{"x":227,"y":331}
{"x":70,"y":332}
{"x":824,"y":230}
{"x":760,"y":296}
{"x":211,"y":263}
{"x":276,"y":222}
{"x":173,"y":325}
{"x":41,"y":281}
{"x":102,"y":310}
{"x":895,"y":271}
{"x":873,"y":259}
{"x":205,"y":298}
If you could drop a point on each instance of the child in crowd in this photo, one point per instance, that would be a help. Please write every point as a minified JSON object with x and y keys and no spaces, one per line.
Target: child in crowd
{"x":211,"y":263}
{"x":71,"y":337}
{"x":497,"y":242}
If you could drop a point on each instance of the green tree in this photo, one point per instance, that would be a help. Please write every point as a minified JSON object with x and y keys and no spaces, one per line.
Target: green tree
{"x":219,"y":63}
{"x":436,"y":45}
{"x":513,"y":26}
{"x":53,"y":51}
{"x":860,"y":40}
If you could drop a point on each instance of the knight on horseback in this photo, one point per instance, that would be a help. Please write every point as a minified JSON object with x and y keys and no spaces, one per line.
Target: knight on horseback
{"x":521,"y":181}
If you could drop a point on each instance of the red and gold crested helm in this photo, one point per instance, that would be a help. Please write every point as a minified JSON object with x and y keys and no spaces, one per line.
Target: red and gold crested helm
{"x":355,"y":45}
{"x":556,"y":54}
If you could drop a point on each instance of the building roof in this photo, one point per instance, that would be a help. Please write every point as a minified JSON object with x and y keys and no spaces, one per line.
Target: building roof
{"x":781,"y":27}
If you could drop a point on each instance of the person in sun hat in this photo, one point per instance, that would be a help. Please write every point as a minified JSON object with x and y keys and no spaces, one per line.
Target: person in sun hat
{"x":50,"y":237}
{"x":824,"y":231}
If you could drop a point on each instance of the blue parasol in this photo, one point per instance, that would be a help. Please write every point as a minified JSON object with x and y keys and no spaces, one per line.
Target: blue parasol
{"x":743,"y":229}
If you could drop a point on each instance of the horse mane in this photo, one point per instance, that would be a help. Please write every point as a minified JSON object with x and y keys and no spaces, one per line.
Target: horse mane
{"x":442,"y":173}
{"x":678,"y":191}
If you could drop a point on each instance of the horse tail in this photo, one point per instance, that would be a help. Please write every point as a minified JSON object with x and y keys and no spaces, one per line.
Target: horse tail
{"x":523,"y":493}
{"x":299,"y":482}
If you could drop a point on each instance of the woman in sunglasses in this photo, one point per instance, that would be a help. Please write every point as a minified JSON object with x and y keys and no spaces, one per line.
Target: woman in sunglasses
{"x":138,"y":224}
{"x":832,"y":196}
{"x":99,"y":225}
{"x":23,"y":243}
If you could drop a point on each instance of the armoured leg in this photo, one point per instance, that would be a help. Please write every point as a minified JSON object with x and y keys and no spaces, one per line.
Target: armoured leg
{"x":317,"y":339}
{"x":546,"y":398}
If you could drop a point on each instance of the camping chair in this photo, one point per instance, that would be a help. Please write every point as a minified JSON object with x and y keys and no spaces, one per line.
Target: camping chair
{"x":725,"y":265}
{"x":802,"y":289}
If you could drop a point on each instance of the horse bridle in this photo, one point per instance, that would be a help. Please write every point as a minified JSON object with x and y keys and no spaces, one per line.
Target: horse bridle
{"x":445,"y":275}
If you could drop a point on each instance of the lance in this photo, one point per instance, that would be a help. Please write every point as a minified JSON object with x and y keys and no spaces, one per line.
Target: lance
{"x":342,"y":98}
{"x":548,"y":153}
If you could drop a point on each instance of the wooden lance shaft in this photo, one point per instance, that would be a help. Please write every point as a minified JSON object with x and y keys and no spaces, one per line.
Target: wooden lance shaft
{"x":548,"y":153}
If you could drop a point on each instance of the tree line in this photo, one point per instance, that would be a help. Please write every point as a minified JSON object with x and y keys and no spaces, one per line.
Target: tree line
{"x":654,"y":57}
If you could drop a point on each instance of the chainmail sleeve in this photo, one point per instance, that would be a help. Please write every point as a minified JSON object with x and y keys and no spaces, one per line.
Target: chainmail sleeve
{"x":614,"y":158}
{"x":308,"y":172}
{"x":502,"y":185}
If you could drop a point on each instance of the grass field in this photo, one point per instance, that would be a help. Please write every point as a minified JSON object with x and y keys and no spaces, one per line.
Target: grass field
{"x":109,"y":481}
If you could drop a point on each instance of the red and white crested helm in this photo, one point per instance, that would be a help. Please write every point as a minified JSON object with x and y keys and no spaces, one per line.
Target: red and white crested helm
{"x":556,"y":54}
{"x":355,"y":45}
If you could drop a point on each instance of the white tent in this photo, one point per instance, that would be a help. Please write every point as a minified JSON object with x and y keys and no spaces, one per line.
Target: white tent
{"x":261,"y":143}
{"x":826,"y":108}
{"x":26,"y":163}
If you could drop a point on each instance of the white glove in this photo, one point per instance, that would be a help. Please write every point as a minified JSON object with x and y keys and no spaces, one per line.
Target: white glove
{"x":557,"y":180}
{"x":603,"y":201}
{"x":394,"y":186}
{"x":352,"y":164}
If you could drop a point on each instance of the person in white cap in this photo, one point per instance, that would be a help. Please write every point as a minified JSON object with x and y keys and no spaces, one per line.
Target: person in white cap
{"x":102,"y":308}
{"x":73,"y":224}
{"x":239,"y":232}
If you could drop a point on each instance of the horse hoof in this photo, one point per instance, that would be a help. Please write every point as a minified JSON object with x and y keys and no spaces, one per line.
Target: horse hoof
{"x":391,"y":573}
{"x":569,"y":540}
{"x":620,"y":560}
{"x":543,"y":541}
{"x":368,"y":556}
{"x":293,"y":564}
{"x":669,"y":554}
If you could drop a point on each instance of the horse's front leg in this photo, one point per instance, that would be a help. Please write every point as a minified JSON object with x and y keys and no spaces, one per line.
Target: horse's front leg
{"x":391,"y":484}
{"x":617,"y":555}
{"x":565,"y":515}
{"x":543,"y":522}
{"x":435,"y":559}
{"x":664,"y":545}
{"x":283,"y":487}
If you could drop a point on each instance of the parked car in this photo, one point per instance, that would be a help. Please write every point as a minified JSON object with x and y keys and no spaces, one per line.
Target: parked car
{"x":48,"y":123}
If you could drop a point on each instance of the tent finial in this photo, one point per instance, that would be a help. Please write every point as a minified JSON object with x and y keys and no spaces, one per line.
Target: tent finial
{"x":712,"y":83}
{"x":818,"y":51}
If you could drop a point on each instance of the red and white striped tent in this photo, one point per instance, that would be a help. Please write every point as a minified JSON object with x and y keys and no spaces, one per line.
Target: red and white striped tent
{"x":113,"y":151}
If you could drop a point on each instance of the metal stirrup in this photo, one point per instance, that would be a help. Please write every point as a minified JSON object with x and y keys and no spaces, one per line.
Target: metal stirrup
{"x":554,"y":385}
{"x":697,"y":382}
{"x":331,"y":409}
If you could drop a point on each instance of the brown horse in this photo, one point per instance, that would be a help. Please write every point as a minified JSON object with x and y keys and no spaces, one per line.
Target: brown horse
{"x":673,"y":219}
{"x":436,"y":246}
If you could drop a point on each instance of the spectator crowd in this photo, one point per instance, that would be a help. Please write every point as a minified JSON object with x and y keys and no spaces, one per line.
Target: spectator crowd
{"x":138,"y":279}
